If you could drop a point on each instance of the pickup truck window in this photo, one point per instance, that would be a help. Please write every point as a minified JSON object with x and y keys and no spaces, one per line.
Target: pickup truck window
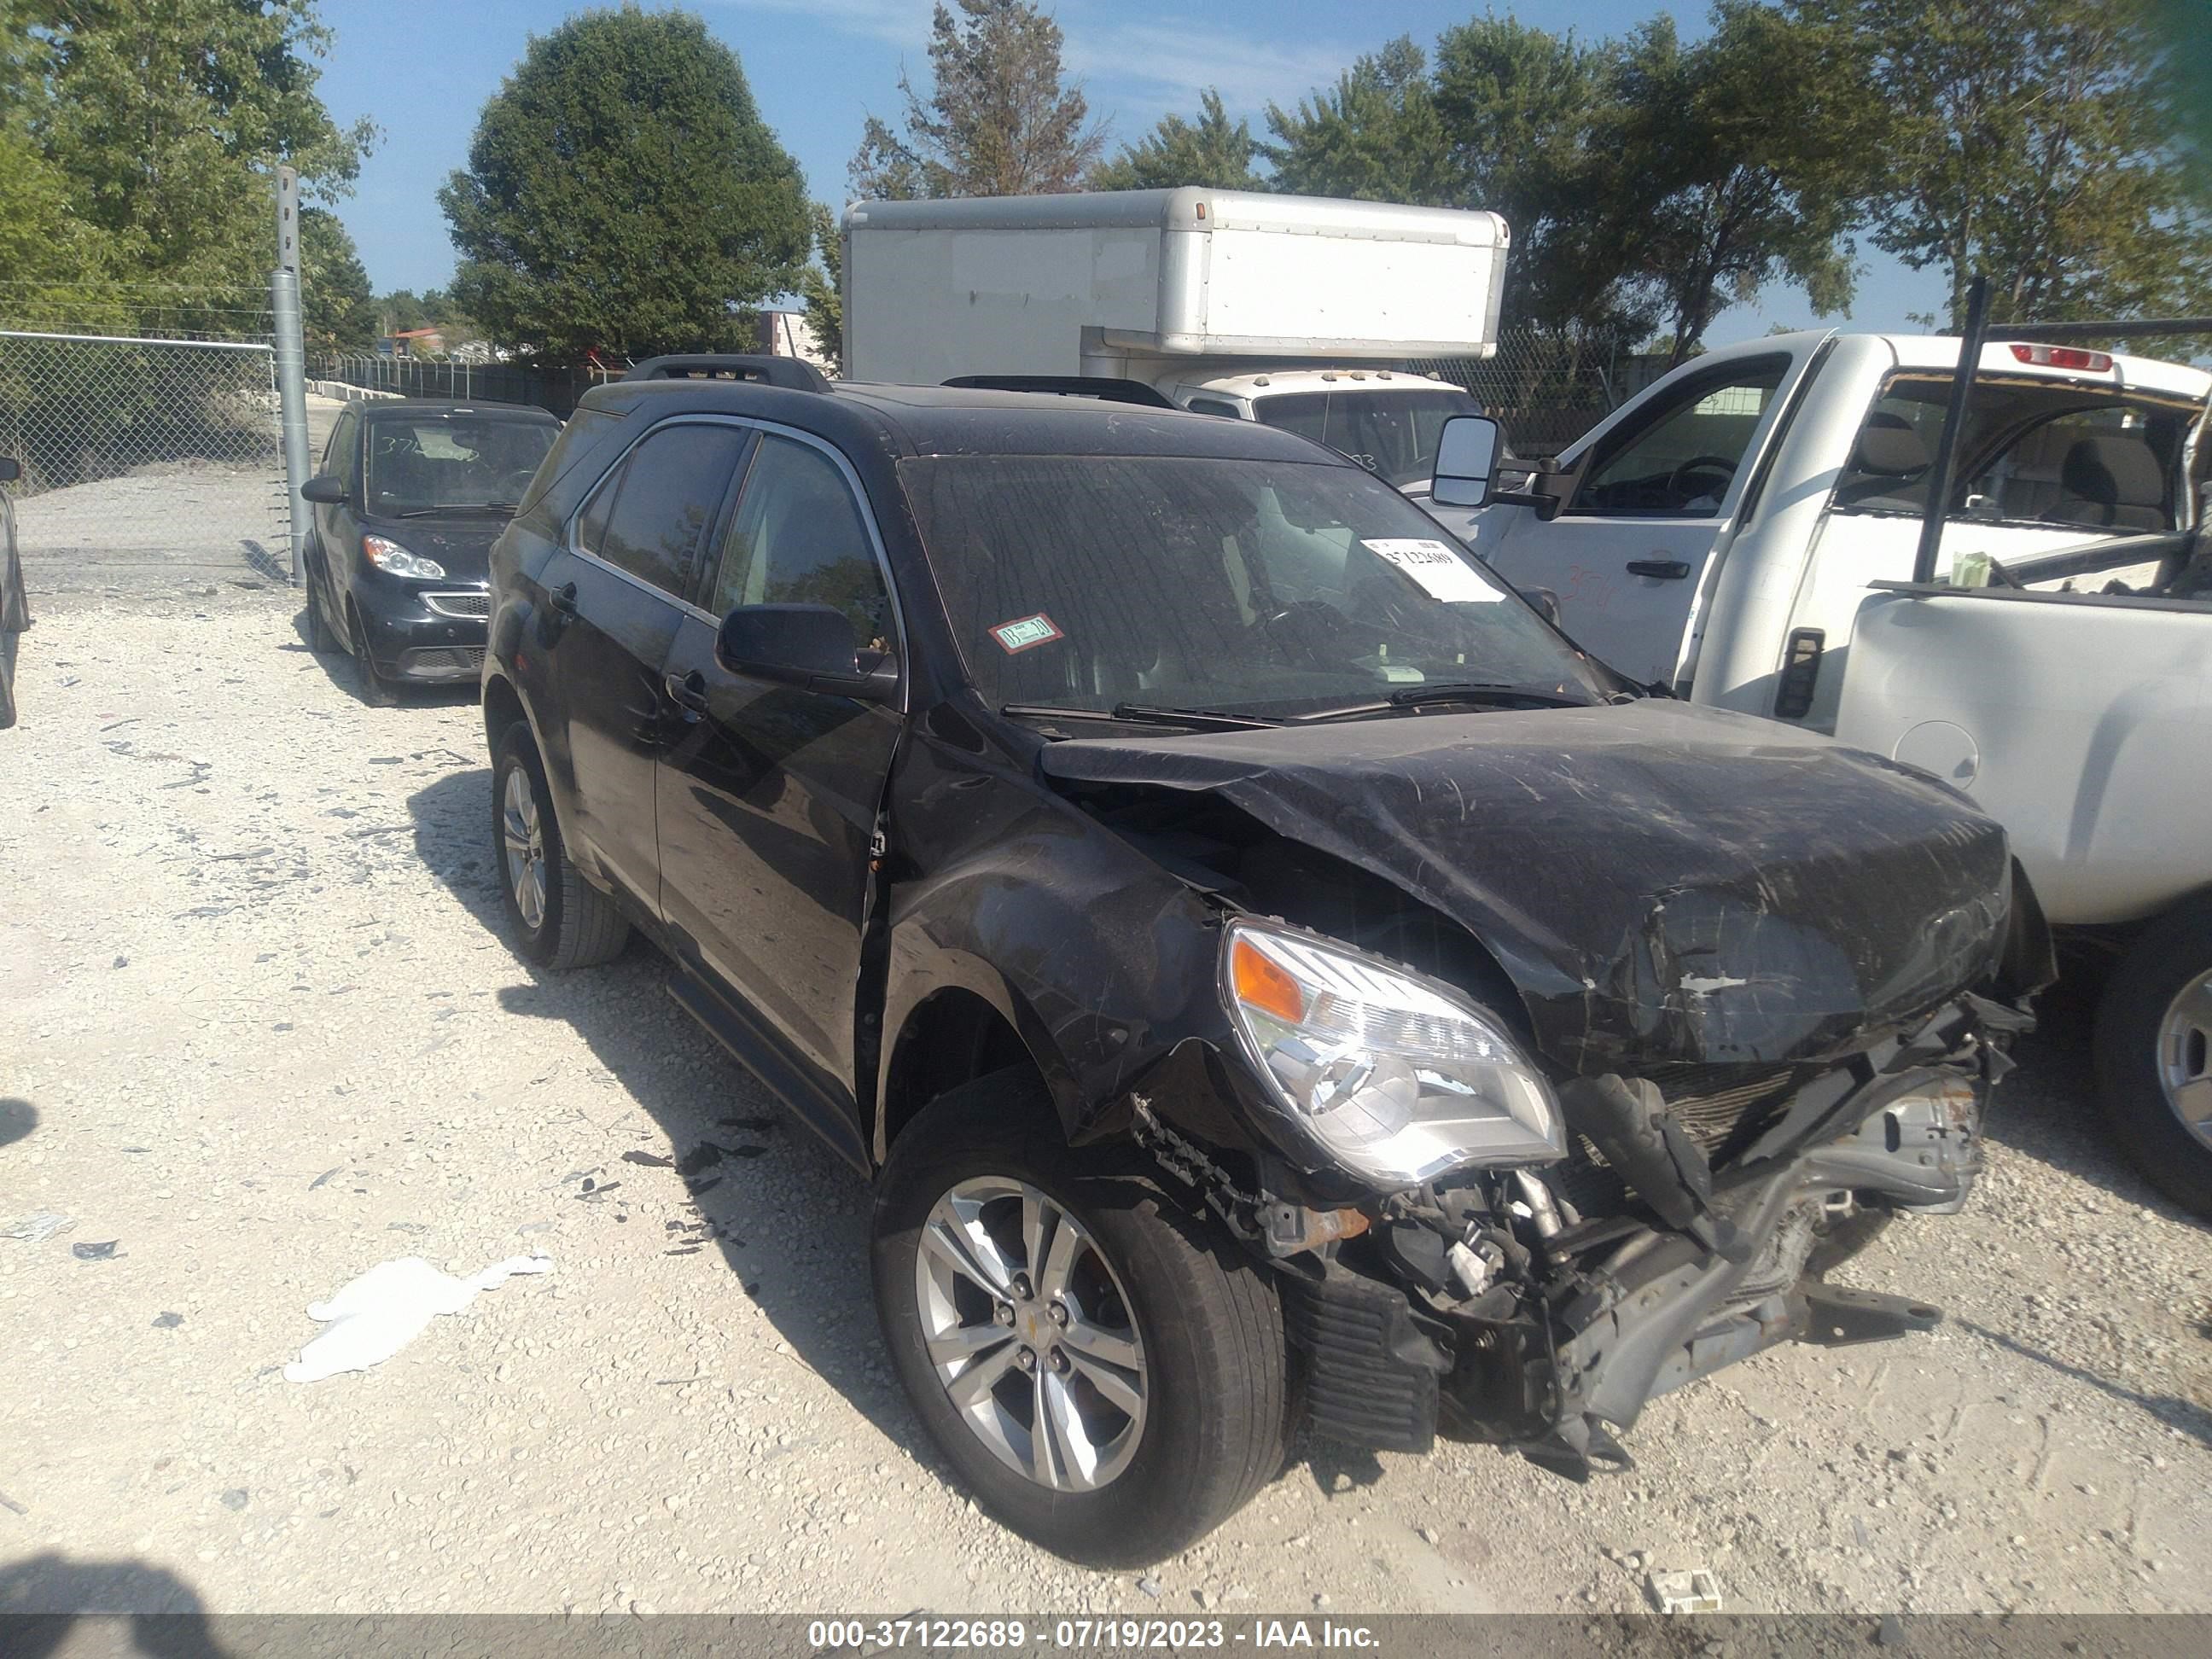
{"x":1677,"y":459}
{"x":2035,"y":451}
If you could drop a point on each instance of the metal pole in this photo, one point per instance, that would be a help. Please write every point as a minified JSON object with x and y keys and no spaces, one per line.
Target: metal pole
{"x":1955,"y":419}
{"x":291,"y":359}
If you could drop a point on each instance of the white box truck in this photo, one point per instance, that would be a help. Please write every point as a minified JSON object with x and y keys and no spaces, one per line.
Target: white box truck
{"x":1286,"y":309}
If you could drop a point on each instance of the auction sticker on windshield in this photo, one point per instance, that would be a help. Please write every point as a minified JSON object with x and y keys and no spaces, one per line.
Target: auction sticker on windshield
{"x":1026,"y":634}
{"x":1441,"y":572}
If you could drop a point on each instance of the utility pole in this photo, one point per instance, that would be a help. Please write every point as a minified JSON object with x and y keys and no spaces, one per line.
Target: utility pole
{"x":291,"y":354}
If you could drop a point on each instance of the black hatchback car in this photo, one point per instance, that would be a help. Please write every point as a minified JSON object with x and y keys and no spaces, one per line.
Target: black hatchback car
{"x":411,"y":495}
{"x":1238,"y":938}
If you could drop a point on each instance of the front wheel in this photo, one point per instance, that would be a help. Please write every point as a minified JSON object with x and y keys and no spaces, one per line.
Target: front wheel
{"x":1107,"y":1375}
{"x":2154,"y":1048}
{"x":376,"y":691}
{"x":320,"y":639}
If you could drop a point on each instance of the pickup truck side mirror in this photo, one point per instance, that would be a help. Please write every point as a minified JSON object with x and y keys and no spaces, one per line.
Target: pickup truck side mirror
{"x":1466,"y":461}
{"x":10,"y":469}
{"x":326,"y":489}
{"x":809,"y":645}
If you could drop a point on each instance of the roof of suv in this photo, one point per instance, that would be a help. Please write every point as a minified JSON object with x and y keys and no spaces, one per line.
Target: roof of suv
{"x":959,"y":421}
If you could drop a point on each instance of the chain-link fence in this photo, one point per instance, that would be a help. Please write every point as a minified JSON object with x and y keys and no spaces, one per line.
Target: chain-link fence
{"x":459,"y":380}
{"x":1546,"y":390}
{"x":148,"y":465}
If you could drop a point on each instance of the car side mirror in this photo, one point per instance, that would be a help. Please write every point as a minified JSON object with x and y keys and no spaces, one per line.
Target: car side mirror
{"x":811,"y":646}
{"x":1466,"y":461}
{"x":10,"y":469}
{"x":326,"y":489}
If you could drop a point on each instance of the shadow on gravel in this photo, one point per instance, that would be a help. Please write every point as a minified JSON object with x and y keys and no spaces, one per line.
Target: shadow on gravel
{"x":345,"y":674}
{"x":42,"y":1597}
{"x":789,"y":1218}
{"x":17,"y":1119}
{"x":2174,"y":1412}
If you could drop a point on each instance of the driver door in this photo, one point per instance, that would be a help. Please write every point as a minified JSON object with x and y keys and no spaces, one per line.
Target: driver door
{"x":1655,"y":497}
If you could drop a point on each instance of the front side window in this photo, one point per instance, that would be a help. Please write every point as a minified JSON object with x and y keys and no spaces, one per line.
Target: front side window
{"x":1391,"y":432}
{"x":420,"y":465}
{"x":1250,"y":587}
{"x":649,"y":520}
{"x":798,"y":538}
{"x":1678,"y":458}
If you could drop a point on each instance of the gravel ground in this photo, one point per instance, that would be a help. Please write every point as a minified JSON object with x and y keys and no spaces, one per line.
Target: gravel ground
{"x":259,"y":1029}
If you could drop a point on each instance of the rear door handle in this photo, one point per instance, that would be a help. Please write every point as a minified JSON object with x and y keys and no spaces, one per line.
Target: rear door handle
{"x":563,"y":598}
{"x":1667,"y":570}
{"x":686,"y":691}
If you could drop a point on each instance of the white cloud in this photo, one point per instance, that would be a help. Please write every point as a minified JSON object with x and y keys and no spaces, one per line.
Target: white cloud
{"x":900,"y":23}
{"x":1151,"y":67}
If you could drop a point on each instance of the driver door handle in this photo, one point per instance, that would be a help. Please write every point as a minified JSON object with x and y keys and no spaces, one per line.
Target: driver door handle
{"x":686,"y":691}
{"x":563,"y":598}
{"x":1666,"y":570}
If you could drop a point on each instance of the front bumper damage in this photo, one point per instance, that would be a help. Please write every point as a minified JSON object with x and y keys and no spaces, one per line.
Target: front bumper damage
{"x":1548,"y":1333}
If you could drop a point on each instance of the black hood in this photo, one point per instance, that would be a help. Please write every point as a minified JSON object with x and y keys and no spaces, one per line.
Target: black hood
{"x":1661,"y":882}
{"x":461,"y":542}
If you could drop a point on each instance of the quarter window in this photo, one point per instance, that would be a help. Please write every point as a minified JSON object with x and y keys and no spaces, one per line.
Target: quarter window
{"x":649,"y":520}
{"x":798,"y":538}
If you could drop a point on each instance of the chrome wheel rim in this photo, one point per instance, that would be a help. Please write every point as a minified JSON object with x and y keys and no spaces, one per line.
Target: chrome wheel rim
{"x":525,"y":847}
{"x":2185,"y":1057}
{"x":1030,"y":1333}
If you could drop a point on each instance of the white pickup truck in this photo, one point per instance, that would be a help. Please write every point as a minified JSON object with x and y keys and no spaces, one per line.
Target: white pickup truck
{"x":1748,"y":532}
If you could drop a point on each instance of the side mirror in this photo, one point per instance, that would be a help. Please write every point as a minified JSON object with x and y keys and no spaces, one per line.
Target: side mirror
{"x":326,"y":489}
{"x":1466,"y":461}
{"x":804,"y":645}
{"x":10,"y":469}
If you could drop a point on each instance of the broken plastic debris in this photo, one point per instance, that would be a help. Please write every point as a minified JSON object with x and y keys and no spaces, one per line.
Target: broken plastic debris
{"x":377,"y":1315}
{"x":104,"y":1251}
{"x":37,"y":1228}
{"x":1694,"y":1591}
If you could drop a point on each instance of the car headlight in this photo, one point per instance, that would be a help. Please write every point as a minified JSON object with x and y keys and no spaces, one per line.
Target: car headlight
{"x":1395,"y":1078}
{"x":389,"y":556}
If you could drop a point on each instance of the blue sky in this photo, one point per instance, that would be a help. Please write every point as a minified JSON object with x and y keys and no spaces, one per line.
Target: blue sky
{"x":819,"y":67}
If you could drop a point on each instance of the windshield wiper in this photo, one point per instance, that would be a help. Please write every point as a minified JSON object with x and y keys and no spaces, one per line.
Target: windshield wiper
{"x":1144,"y":714}
{"x":1482,"y":694}
{"x":456,"y":507}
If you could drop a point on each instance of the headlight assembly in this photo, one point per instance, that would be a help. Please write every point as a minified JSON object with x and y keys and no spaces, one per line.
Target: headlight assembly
{"x":388,"y":556}
{"x":1396,"y":1079}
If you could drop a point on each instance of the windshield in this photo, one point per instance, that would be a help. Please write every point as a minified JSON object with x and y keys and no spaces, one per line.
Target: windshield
{"x":1247,"y":587}
{"x":452,"y":461}
{"x":1391,"y":433}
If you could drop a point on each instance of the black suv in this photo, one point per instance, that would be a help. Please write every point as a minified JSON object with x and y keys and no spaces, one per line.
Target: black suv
{"x":1240,"y":940}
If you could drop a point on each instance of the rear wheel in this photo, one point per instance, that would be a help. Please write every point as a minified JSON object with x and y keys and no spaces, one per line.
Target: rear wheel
{"x":1107,"y":1375}
{"x":2154,"y":1048}
{"x":559,"y":920}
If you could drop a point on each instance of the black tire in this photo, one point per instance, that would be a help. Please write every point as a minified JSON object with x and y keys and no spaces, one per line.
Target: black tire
{"x":1217,"y":1407}
{"x":320,"y":639}
{"x":376,"y":691}
{"x":579,"y":927}
{"x":2167,"y":959}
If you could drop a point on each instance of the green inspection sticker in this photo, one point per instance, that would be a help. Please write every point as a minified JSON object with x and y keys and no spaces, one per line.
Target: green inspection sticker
{"x":1026,"y":634}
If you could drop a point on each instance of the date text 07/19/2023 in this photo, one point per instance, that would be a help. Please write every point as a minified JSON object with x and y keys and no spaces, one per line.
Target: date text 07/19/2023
{"x":1109,"y":1634}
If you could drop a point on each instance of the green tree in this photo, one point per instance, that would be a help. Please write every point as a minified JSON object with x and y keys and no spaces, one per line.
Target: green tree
{"x":822,"y":286}
{"x":1208,"y":152}
{"x":622,"y":194}
{"x":336,"y":312}
{"x":165,"y":119}
{"x":2035,"y":141}
{"x":1710,"y":194}
{"x":1376,"y":136}
{"x":999,"y":119}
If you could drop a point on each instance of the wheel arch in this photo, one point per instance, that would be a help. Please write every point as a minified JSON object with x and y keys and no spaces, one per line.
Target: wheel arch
{"x":953,"y":1033}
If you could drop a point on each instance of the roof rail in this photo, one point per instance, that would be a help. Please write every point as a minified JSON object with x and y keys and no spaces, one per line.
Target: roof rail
{"x":792,"y":373}
{"x":1105,"y":389}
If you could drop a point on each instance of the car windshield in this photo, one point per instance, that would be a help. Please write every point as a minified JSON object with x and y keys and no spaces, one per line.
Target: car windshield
{"x":455,"y":461}
{"x":1265,"y":588}
{"x":1391,"y":433}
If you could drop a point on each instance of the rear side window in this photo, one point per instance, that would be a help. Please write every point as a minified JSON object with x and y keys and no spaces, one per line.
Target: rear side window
{"x":650,"y":519}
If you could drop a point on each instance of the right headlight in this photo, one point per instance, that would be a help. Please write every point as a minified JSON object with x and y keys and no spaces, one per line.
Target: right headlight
{"x":1396,"y":1079}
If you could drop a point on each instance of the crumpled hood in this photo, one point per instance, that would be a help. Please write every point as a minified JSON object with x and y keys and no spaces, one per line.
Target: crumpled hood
{"x":1661,"y":882}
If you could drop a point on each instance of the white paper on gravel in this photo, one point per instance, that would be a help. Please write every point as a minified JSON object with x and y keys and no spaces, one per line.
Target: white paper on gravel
{"x":377,"y":1315}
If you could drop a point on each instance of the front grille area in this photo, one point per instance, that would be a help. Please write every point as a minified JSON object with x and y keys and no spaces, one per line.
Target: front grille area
{"x":474,"y":606}
{"x":444,"y":659}
{"x":1724,"y":1108}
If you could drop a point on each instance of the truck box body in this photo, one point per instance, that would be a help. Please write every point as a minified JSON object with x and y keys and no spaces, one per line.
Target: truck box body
{"x":1110,"y":283}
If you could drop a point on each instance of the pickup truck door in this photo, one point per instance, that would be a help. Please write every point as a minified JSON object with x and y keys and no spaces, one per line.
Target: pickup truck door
{"x":2081,"y":722}
{"x":1659,"y":489}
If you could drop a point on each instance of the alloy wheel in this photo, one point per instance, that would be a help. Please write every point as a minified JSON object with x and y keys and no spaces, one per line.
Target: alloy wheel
{"x":524,"y":843}
{"x":2185,"y":1056}
{"x":1031,"y":1332}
